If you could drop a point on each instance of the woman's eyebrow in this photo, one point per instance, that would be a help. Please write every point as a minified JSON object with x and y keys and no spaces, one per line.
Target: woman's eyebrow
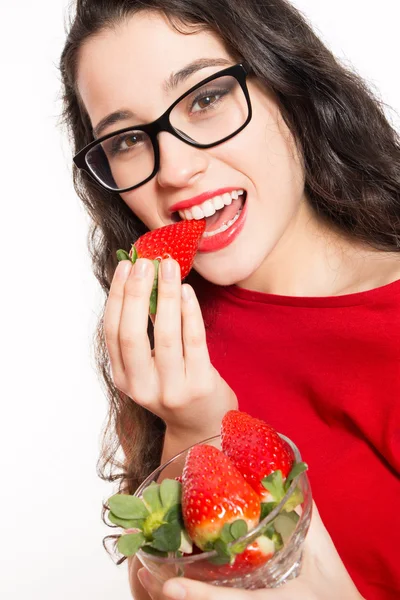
{"x":201,"y":63}
{"x":170,"y":84}
{"x":111,"y":119}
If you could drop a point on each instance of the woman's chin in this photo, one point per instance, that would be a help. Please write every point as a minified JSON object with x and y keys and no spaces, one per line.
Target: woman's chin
{"x":223,"y":275}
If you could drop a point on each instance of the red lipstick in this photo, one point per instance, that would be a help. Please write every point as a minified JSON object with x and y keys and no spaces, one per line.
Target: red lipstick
{"x":223,"y":239}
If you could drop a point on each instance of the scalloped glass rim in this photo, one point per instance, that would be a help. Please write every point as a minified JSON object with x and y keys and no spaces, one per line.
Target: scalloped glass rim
{"x":246,"y":538}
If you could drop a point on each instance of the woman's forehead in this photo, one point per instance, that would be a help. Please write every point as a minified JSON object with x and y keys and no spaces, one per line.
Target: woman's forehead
{"x":138,"y":55}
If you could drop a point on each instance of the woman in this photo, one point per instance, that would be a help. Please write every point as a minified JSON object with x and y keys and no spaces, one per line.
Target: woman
{"x":298,"y":276}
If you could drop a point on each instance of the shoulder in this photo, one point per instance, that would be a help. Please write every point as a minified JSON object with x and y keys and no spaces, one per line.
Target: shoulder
{"x":373,"y":272}
{"x":387,"y":268}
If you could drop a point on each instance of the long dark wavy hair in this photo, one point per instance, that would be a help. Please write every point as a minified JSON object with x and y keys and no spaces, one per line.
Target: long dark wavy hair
{"x":351,"y":157}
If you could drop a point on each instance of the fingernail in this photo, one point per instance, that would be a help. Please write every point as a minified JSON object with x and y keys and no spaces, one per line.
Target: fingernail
{"x":186,"y":293}
{"x":141,"y":268}
{"x":168,"y":269}
{"x":174,"y":590}
{"x":123,"y":269}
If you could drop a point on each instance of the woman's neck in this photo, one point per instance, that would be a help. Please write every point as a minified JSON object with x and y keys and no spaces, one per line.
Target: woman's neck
{"x":312,"y":259}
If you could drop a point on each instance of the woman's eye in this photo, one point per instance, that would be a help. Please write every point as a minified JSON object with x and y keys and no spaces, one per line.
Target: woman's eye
{"x":124,"y":143}
{"x":205,"y":101}
{"x":129,"y":141}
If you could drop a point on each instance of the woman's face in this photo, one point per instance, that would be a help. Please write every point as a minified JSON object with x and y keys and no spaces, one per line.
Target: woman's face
{"x":125,"y":69}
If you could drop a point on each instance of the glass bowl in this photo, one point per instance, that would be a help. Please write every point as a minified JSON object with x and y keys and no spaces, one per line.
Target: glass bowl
{"x":285,"y":564}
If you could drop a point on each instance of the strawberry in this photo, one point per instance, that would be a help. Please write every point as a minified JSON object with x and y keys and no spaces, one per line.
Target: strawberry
{"x":255,"y":448}
{"x":214,"y":495}
{"x":178,"y":241}
{"x":254,"y":556}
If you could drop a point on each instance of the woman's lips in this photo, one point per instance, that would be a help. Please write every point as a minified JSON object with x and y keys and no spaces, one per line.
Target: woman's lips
{"x":223,"y":239}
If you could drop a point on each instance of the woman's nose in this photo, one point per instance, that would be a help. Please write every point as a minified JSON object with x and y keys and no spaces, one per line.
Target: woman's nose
{"x":180,"y":163}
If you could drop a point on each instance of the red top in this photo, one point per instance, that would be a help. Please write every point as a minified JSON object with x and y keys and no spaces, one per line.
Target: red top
{"x":326,"y":373}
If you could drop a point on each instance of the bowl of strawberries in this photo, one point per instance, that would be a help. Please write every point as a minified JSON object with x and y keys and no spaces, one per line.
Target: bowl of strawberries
{"x":232,"y":510}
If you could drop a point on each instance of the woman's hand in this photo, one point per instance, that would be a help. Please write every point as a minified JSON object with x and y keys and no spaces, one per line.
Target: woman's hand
{"x":176,"y":381}
{"x":323,"y":577}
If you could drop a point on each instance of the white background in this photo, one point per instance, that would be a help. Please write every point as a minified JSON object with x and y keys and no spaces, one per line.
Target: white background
{"x":52,"y":405}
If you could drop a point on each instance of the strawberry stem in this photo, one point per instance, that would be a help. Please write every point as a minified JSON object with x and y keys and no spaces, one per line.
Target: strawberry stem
{"x":153,"y":295}
{"x":133,"y":254}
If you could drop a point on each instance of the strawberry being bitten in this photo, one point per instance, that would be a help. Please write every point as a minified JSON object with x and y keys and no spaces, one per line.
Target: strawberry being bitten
{"x":178,"y":241}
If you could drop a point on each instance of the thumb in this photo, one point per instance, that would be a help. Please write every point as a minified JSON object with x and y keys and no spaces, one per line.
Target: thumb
{"x":189,"y":589}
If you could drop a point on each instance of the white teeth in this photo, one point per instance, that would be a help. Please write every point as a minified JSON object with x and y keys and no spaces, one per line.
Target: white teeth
{"x":209,"y":207}
{"x":197,"y":212}
{"x":218,"y":202}
{"x":227,"y":198}
{"x":223,"y":227}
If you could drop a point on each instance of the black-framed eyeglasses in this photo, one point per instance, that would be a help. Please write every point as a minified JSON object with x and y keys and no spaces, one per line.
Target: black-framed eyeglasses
{"x":209,"y":113}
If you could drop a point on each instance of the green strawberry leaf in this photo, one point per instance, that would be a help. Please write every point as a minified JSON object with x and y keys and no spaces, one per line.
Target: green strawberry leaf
{"x":295,"y":471}
{"x":274,"y":484}
{"x":295,"y":499}
{"x":130,"y":543}
{"x":208,"y":546}
{"x":122,"y":255}
{"x":174,"y":515}
{"x":238,"y":529}
{"x":150,"y":550}
{"x":167,"y":538}
{"x":277,"y":539}
{"x":266,"y":509}
{"x":285,"y":524}
{"x":225,"y":534}
{"x":125,"y":523}
{"x":127,"y":507}
{"x":152,"y":498}
{"x":223,"y":555}
{"x":269,"y":531}
{"x":274,"y":536}
{"x":170,"y":492}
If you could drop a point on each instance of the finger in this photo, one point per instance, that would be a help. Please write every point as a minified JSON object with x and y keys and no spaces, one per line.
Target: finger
{"x":133,"y":338}
{"x":150,"y":584}
{"x":188,"y":589}
{"x":167,"y":330}
{"x":197,"y":359}
{"x":112,"y":317}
